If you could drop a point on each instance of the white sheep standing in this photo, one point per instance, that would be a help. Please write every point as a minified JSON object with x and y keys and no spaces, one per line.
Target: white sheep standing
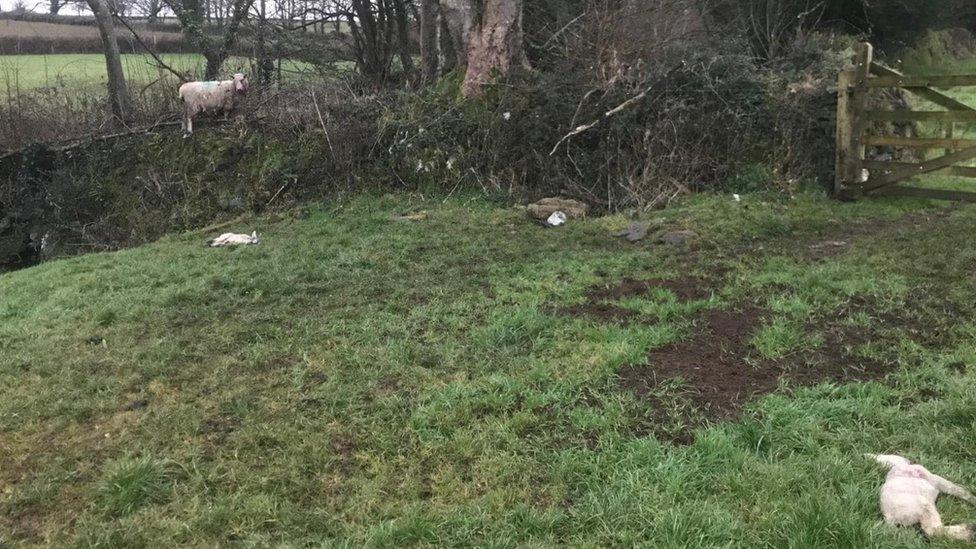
{"x":223,"y":96}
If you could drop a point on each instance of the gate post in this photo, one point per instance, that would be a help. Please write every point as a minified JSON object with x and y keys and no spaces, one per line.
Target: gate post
{"x":851,"y":102}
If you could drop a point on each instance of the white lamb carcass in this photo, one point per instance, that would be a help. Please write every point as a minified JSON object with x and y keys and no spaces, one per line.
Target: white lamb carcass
{"x":231,"y":239}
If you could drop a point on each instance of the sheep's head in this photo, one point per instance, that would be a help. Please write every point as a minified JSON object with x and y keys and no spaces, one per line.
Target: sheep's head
{"x":240,"y":83}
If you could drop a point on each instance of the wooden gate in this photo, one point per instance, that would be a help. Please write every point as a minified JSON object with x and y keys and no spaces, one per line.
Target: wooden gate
{"x":857,"y":175}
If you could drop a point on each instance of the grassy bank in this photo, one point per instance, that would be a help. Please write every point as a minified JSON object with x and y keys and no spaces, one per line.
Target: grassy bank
{"x":472,"y":378}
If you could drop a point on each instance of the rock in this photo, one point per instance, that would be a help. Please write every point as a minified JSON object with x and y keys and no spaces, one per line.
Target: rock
{"x":543,"y":209}
{"x":677,"y":238}
{"x":634,"y":233}
{"x":137,"y":405}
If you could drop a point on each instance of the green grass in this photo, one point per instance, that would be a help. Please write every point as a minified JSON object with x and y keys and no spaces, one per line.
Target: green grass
{"x":356,"y":380}
{"x":25,"y":72}
{"x":132,"y":483}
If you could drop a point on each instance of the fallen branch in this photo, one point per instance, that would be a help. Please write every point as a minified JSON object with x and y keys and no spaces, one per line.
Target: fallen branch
{"x":606,"y":116}
{"x":85,"y":141}
{"x":325,"y":130}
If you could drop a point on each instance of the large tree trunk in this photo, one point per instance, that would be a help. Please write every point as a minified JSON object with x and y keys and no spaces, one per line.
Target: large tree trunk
{"x":55,"y":6}
{"x":403,"y":41}
{"x":265,"y":64}
{"x":117,"y":96}
{"x":458,"y":18}
{"x":495,"y":46}
{"x":430,"y":21}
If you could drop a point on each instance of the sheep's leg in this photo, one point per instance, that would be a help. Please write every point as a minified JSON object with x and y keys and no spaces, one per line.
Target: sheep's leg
{"x":931,"y":524}
{"x":953,"y":489}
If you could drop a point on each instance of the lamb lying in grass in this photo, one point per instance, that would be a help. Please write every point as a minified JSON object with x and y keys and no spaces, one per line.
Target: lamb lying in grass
{"x":908,"y":498}
{"x":231,"y":239}
{"x":224,"y":97}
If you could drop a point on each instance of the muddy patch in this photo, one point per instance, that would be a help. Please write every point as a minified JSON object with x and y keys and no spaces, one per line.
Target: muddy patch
{"x":599,"y":304}
{"x":711,"y":375}
{"x":685,"y":289}
{"x":215,"y":433}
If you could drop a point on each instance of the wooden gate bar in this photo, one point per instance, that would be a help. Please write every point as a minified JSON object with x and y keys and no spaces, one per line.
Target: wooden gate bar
{"x":883,"y":177}
{"x":919,"y":169}
{"x":888,"y":167}
{"x":928,"y":94}
{"x":920,"y":116}
{"x":902,"y":81}
{"x":918,"y":142}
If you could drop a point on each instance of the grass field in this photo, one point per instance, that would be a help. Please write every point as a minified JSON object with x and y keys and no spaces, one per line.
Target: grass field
{"x":470,"y":378}
{"x":27,"y":72}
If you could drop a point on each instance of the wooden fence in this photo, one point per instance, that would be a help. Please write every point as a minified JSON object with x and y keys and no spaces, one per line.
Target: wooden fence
{"x":856,"y":175}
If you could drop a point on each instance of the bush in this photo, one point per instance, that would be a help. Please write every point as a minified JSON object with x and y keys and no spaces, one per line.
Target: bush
{"x":687,"y":122}
{"x":110,"y":193}
{"x":929,"y":54}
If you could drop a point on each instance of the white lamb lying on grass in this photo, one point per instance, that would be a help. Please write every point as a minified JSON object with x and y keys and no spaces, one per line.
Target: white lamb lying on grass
{"x":908,"y":498}
{"x":224,"y":97}
{"x":231,"y":239}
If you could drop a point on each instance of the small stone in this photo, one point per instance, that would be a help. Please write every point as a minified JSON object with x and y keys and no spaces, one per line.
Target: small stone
{"x":633,"y":233}
{"x":137,"y":405}
{"x":677,"y":238}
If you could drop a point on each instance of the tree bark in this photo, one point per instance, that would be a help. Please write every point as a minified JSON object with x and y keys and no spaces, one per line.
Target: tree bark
{"x":265,"y":65}
{"x":55,"y":6}
{"x":430,"y":21}
{"x":193,"y":16}
{"x":458,"y":18}
{"x":496,"y":45}
{"x":403,"y":41}
{"x":117,"y":95}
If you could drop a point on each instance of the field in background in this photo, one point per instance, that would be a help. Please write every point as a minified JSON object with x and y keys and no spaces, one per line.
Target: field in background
{"x":32,"y":37}
{"x":26,"y":72}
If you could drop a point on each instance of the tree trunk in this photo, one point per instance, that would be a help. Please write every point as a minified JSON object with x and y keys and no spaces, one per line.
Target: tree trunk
{"x":265,"y":63}
{"x":403,"y":41}
{"x":55,"y":7}
{"x":496,"y":45}
{"x":215,"y":60}
{"x":117,"y":96}
{"x":430,"y":21}
{"x":153,"y":12}
{"x":458,"y":18}
{"x":448,"y":54}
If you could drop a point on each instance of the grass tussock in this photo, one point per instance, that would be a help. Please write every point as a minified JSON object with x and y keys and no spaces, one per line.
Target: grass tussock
{"x":133,"y":483}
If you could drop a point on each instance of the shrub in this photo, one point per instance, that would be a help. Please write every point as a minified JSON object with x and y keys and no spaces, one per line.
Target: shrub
{"x":687,"y":122}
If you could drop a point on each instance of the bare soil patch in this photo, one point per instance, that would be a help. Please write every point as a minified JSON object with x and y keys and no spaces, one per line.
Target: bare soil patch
{"x":685,"y":289}
{"x":717,"y":370}
{"x":599,"y":299}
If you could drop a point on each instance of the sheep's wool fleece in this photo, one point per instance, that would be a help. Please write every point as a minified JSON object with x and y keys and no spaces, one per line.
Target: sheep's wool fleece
{"x":231,"y":239}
